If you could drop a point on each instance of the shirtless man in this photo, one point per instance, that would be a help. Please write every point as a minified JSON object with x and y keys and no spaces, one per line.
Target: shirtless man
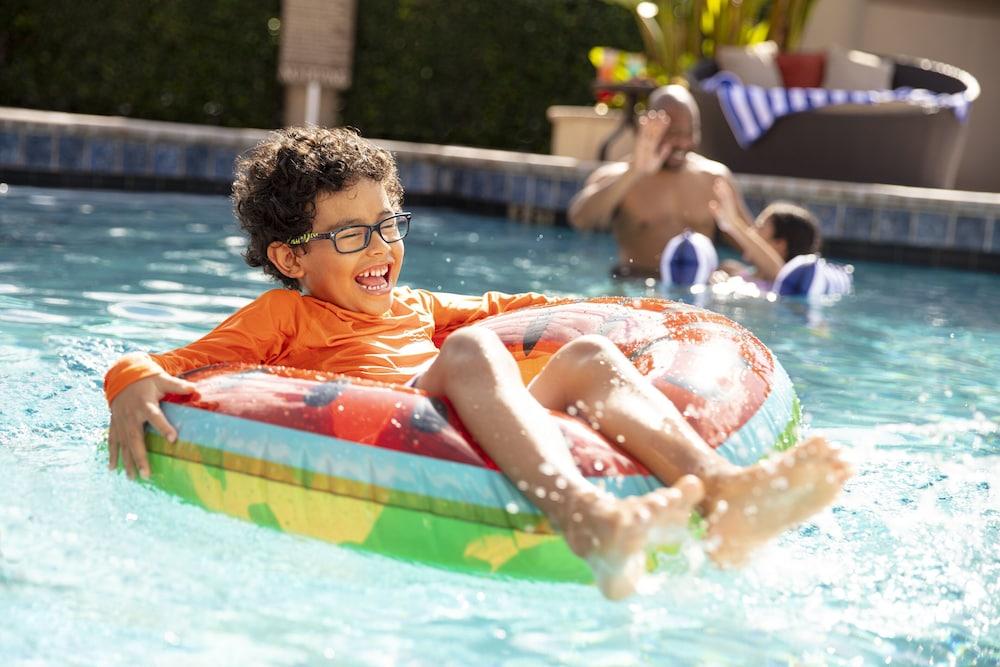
{"x":662,"y":190}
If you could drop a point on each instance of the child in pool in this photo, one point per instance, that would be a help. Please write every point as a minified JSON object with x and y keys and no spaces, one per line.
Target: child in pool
{"x":781,"y":232}
{"x":322,"y":209}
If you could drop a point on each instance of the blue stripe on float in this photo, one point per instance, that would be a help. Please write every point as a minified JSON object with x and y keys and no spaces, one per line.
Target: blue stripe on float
{"x":385,"y":468}
{"x":758,"y":436}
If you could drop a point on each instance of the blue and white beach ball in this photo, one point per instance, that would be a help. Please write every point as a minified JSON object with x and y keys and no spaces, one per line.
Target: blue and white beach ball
{"x":688,"y":259}
{"x":811,"y":275}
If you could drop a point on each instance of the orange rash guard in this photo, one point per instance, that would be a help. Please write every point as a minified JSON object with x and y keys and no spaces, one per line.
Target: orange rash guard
{"x":282,"y":327}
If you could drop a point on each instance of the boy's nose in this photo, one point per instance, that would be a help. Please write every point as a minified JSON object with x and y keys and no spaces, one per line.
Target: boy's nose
{"x":377,"y":244}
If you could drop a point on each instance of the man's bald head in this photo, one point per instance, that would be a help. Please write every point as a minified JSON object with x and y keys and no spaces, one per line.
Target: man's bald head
{"x":673,"y":98}
{"x":685,"y":121}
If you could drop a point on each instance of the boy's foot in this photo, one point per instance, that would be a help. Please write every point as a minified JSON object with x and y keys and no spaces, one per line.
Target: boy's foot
{"x":751,"y":505}
{"x":613,"y":534}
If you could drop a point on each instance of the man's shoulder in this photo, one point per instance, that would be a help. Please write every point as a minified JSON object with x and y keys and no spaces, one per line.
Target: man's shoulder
{"x":608,"y":169}
{"x":699,"y":164}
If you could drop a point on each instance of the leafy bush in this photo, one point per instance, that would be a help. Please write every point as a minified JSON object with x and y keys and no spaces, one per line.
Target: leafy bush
{"x":183,"y":60}
{"x":476,"y":73}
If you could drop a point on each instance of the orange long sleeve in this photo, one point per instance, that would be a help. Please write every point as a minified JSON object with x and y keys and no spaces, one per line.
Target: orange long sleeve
{"x":282,"y":327}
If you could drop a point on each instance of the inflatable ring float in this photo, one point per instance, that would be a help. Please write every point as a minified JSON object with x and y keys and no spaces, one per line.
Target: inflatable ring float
{"x":390,"y":469}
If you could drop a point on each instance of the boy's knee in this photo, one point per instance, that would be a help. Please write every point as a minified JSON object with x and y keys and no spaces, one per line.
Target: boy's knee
{"x":473,"y":349}
{"x":586,"y":349}
{"x":582,"y":357}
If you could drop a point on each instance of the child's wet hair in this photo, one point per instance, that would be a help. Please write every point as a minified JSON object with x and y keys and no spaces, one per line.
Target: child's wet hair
{"x":796,"y":225}
{"x":277,"y":182}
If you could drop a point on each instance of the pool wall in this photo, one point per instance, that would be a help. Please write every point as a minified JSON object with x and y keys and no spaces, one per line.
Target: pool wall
{"x":861,"y":221}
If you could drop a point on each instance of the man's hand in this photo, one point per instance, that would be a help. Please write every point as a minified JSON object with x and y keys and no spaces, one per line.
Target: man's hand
{"x":651,"y":148}
{"x":137,"y":404}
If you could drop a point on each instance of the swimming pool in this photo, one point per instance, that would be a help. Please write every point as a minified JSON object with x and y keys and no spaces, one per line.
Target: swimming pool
{"x":904,"y":569}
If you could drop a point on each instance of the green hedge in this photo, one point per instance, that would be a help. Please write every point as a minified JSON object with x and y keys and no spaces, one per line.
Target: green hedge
{"x":478,"y":73}
{"x":179,"y":60}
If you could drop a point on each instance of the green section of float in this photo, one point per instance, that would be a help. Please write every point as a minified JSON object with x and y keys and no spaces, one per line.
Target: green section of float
{"x":215,"y":459}
{"x":393,"y":531}
{"x":790,"y":436}
{"x":395,"y":524}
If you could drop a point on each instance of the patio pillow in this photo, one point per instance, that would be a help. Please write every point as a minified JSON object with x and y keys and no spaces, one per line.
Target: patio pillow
{"x":755,"y":64}
{"x":857,"y":70}
{"x":801,"y":70}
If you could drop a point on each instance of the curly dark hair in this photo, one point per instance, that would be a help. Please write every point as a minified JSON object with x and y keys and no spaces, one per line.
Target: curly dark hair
{"x":277,"y":181}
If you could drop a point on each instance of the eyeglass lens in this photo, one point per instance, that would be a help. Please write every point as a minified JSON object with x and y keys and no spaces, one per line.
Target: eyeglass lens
{"x":353,"y":239}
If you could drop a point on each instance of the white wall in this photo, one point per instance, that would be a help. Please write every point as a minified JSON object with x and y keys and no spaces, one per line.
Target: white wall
{"x":963,"y":33}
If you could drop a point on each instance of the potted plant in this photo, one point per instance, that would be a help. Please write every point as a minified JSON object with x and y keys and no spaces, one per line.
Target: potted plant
{"x":676,"y":34}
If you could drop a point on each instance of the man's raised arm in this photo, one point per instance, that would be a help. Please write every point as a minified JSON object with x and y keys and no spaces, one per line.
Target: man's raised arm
{"x":594,"y":206}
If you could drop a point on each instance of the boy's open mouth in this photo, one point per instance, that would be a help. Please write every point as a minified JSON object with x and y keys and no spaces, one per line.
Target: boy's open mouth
{"x":375,"y":278}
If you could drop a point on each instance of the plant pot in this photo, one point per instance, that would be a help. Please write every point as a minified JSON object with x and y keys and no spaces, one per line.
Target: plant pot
{"x":580,"y":131}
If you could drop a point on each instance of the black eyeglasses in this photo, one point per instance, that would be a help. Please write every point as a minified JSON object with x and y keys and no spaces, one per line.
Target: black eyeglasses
{"x":357,"y":237}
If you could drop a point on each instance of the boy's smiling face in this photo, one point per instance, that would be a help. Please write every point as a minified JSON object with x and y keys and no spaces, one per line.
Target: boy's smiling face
{"x":361,"y":281}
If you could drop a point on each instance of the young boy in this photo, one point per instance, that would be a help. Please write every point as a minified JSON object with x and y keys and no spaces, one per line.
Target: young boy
{"x":782,"y":244}
{"x":322,"y":211}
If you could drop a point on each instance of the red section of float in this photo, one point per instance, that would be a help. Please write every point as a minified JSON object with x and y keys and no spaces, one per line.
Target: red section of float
{"x":374,"y":414}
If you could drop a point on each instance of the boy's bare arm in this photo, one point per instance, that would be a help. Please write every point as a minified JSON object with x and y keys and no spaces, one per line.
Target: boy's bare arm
{"x":731,"y":218}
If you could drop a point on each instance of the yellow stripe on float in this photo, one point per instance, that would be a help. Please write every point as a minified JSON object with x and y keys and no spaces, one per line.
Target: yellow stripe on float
{"x":294,"y":509}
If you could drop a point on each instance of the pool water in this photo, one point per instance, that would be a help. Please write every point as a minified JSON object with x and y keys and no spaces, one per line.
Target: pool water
{"x":94,"y":569}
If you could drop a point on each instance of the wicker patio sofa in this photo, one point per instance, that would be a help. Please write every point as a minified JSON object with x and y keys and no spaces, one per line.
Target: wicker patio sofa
{"x":892,"y":143}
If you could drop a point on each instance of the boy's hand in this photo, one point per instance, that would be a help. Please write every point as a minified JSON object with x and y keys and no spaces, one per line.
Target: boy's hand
{"x":725,"y":207}
{"x":137,"y":404}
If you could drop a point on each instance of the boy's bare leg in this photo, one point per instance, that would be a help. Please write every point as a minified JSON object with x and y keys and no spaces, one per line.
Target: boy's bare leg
{"x":744,"y":506}
{"x":477,"y":374}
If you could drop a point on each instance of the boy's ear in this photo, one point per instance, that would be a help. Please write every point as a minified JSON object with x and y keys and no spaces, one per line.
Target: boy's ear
{"x":285,"y":259}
